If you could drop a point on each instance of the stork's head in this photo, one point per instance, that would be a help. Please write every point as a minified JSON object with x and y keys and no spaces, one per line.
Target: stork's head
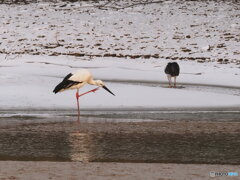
{"x":101,"y":84}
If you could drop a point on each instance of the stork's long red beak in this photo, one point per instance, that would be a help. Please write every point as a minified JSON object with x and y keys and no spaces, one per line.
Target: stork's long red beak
{"x":104,"y":87}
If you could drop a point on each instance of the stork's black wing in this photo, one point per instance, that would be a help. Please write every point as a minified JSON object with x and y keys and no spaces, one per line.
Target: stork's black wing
{"x":175,"y":69}
{"x":66,"y":83}
{"x":168,"y":68}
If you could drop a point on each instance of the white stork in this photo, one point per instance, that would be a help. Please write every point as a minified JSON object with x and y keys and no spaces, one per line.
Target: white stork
{"x":78,"y":80}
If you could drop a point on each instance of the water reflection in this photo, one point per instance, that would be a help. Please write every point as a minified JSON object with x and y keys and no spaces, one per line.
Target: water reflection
{"x":79,"y":146}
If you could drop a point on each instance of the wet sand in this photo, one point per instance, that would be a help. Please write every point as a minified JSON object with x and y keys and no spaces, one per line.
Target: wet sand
{"x":108,"y":171}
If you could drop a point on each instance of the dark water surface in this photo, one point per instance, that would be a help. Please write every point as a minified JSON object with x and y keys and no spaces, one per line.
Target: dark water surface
{"x":195,"y":114}
{"x":110,"y":147}
{"x":117,"y":141}
{"x":68,"y":141}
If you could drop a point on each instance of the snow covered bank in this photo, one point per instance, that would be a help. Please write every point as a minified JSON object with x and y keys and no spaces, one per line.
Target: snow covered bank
{"x":127,"y":48}
{"x":28,"y":81}
{"x":189,"y":30}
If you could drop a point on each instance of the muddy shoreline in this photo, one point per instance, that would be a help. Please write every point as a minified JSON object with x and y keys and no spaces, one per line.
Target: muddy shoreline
{"x":108,"y":171}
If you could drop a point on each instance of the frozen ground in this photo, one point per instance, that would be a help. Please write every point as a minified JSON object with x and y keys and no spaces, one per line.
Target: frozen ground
{"x":128,"y":48}
{"x":189,"y":30}
{"x":28,"y":81}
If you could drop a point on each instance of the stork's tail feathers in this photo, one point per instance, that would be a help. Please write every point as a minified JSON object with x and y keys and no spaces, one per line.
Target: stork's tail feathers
{"x":58,"y":88}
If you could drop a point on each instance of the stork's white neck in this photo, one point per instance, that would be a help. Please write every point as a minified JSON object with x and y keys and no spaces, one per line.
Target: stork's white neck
{"x":93,"y":82}
{"x":96,"y":82}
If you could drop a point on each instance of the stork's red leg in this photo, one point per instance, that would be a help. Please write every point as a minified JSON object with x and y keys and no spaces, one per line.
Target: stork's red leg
{"x":77,"y":97}
{"x":175,"y":82}
{"x":169,"y":80}
{"x":93,"y":90}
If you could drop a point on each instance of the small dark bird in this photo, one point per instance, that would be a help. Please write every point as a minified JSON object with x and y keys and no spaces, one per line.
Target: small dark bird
{"x":172,"y":70}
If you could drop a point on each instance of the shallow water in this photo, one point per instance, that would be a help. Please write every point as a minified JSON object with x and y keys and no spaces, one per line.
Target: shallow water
{"x":201,"y":114}
{"x":53,"y":140}
{"x":123,"y":147}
